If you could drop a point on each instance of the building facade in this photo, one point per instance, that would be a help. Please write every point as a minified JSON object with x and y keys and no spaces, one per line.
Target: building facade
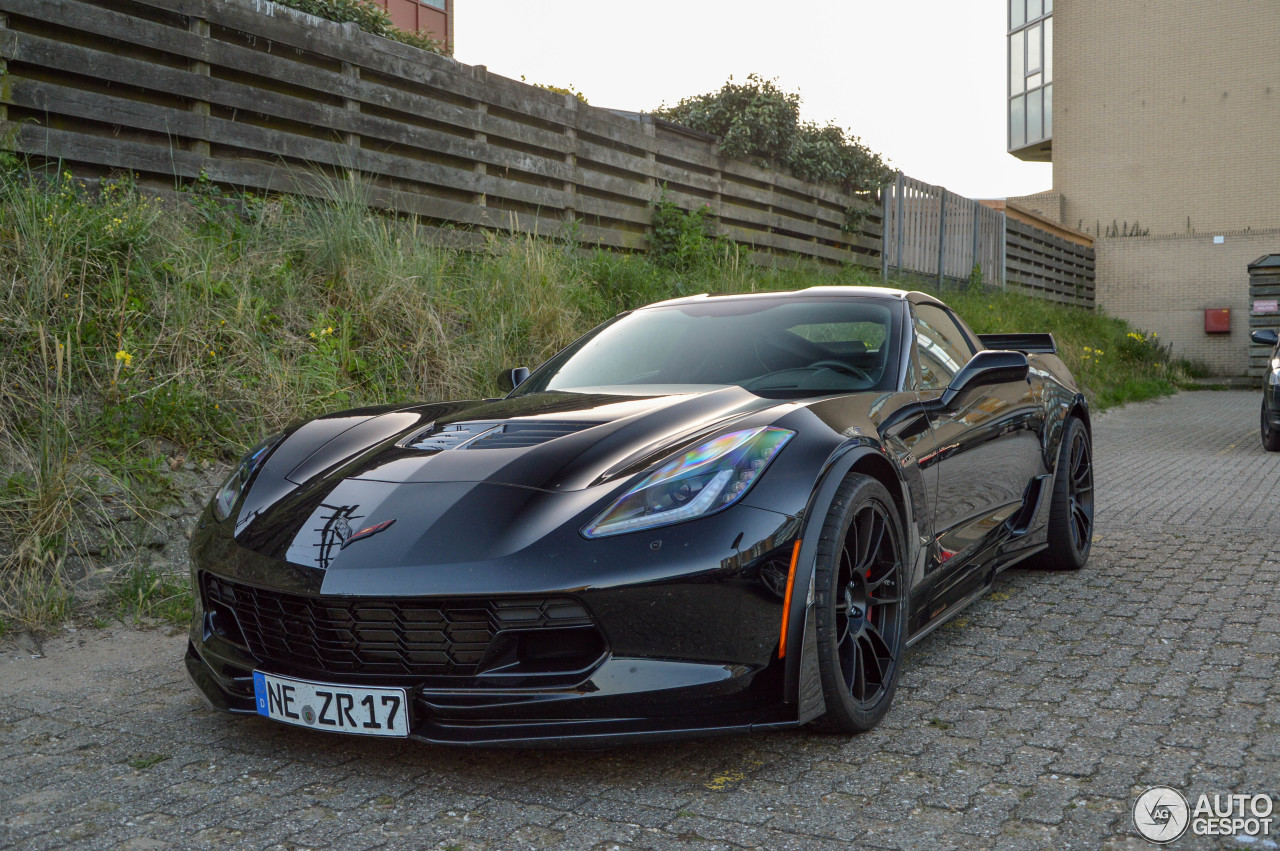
{"x":433,"y":18}
{"x":1162,"y":121}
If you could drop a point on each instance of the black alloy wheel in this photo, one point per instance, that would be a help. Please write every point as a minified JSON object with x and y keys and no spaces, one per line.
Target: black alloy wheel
{"x":861,"y":605}
{"x":1270,"y":437}
{"x":1071,"y":512}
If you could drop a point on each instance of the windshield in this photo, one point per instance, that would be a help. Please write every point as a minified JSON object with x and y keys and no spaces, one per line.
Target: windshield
{"x":796,"y":347}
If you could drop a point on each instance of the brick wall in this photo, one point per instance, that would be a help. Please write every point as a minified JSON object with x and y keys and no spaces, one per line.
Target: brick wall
{"x":1047,"y":204}
{"x":1165,"y":283}
{"x":1166,"y":113}
{"x":1167,"y":116}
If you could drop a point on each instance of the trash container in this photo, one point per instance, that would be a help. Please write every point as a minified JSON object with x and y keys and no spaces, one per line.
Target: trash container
{"x":1264,"y":308}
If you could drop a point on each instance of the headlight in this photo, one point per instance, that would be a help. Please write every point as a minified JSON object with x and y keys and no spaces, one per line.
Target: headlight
{"x":712,"y":476}
{"x":227,"y":496}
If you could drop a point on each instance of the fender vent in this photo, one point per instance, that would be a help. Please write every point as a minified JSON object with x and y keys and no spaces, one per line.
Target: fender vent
{"x":437,"y":438}
{"x":512,"y":435}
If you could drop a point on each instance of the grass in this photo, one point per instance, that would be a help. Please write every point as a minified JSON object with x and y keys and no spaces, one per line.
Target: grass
{"x":132,"y":330}
{"x":145,"y":761}
{"x":1113,"y":362}
{"x":141,"y":595}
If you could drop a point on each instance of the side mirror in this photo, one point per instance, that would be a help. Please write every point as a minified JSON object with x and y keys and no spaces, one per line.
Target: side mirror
{"x":1266,"y":337}
{"x":510,"y":379}
{"x":987,"y":367}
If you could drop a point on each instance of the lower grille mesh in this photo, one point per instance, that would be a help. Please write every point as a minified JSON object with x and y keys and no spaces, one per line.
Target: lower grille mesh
{"x":396,"y":637}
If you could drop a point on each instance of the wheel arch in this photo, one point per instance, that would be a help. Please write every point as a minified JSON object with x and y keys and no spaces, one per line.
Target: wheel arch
{"x":802,"y":684}
{"x":1080,"y":409}
{"x":1077,"y":409}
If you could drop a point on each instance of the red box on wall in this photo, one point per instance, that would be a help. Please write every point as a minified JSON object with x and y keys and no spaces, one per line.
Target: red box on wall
{"x":1217,"y":320}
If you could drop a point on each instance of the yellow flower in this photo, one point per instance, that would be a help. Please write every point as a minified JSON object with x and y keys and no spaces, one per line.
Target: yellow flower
{"x":313,"y":335}
{"x":124,"y":357}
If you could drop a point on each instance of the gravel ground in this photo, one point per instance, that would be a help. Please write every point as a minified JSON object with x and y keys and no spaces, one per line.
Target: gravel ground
{"x":1031,"y":721}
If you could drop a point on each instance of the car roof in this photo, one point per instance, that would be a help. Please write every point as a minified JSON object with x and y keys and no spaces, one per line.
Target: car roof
{"x":810,"y":292}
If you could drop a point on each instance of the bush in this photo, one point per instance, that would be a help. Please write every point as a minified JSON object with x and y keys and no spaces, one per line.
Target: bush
{"x":756,"y":120}
{"x":682,"y":239}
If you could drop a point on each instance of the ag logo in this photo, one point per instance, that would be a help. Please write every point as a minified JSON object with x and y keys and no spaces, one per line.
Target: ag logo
{"x":1161,"y":814}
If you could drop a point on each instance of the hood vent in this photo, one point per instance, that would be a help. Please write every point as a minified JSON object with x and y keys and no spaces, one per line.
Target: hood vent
{"x":493,"y":435}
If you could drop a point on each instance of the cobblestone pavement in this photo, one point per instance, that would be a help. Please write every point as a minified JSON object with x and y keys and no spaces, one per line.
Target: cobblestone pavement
{"x":1031,"y":722}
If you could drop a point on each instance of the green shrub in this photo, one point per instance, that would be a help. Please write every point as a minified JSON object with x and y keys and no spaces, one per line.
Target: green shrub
{"x":560,"y":90}
{"x":682,"y":239}
{"x":757,"y":120}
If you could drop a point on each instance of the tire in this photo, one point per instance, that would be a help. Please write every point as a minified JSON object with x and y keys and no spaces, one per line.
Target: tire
{"x":861,"y":588}
{"x":1270,"y":437}
{"x":1071,"y":511}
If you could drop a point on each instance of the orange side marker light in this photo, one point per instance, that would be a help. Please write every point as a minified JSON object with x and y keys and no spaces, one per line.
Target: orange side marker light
{"x":786,"y":601}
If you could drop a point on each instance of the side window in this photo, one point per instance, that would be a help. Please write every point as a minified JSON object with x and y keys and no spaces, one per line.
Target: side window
{"x":941,"y":347}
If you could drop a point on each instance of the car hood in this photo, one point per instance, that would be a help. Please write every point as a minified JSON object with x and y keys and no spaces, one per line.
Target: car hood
{"x":543,"y":442}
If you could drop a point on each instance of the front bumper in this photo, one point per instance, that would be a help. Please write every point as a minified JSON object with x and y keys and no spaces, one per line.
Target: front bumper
{"x":593,"y":715}
{"x":690,"y":634}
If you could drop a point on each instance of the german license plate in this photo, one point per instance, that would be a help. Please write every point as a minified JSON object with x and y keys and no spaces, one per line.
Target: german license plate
{"x":324,"y":706}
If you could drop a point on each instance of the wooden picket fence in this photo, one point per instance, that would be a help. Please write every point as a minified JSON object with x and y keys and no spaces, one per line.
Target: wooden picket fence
{"x":935,"y":233}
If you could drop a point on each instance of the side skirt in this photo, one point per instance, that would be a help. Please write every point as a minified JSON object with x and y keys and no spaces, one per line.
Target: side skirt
{"x":967,"y":601}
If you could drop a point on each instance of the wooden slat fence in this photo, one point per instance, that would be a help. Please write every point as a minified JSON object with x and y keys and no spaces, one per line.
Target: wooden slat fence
{"x":1046,"y":265}
{"x":938,"y":234}
{"x":258,"y":96}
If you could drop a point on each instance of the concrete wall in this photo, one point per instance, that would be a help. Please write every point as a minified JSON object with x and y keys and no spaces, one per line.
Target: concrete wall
{"x":1165,"y":283}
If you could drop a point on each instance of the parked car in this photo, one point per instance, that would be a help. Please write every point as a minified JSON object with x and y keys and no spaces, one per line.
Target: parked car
{"x":712,"y":514}
{"x":1270,"y":390}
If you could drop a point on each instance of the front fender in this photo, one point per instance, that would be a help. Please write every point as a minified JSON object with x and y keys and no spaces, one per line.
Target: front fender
{"x":802,"y":684}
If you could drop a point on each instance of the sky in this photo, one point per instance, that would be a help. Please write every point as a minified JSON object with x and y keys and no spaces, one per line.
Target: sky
{"x":921,"y":82}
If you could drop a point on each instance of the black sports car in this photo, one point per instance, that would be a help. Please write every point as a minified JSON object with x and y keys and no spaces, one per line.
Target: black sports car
{"x":1270,"y":389}
{"x":712,"y":514}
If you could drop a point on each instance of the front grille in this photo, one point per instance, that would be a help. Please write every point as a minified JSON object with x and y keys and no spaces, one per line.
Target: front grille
{"x":391,"y":637}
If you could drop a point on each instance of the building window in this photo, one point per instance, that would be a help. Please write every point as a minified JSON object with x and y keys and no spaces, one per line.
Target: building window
{"x":1030,"y":72}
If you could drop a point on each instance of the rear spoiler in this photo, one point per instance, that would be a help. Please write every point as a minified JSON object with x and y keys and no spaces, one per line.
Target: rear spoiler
{"x":1041,"y":344}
